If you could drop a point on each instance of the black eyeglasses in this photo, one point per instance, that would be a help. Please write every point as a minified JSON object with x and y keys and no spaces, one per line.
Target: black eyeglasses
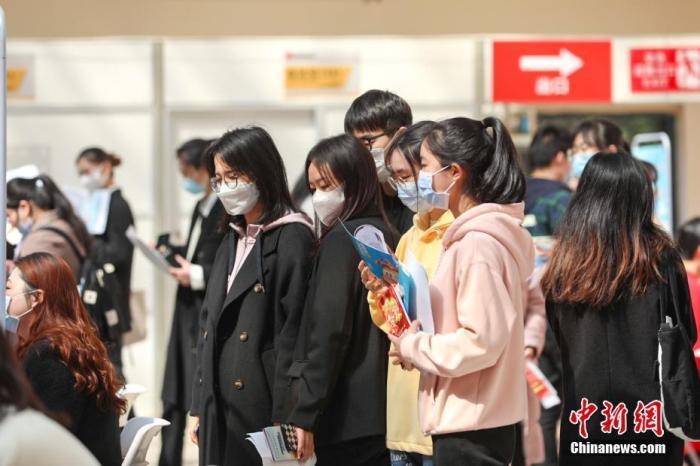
{"x":370,"y":140}
{"x":216,"y":183}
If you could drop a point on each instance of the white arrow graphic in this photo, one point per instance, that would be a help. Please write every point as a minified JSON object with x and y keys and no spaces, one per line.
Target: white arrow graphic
{"x":566,"y":63}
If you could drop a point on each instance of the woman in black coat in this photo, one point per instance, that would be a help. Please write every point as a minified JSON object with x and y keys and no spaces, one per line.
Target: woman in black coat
{"x":338,"y":378}
{"x":96,"y":170}
{"x":62,"y":355}
{"x":195,"y":261}
{"x":606,"y":285}
{"x":254,"y":298}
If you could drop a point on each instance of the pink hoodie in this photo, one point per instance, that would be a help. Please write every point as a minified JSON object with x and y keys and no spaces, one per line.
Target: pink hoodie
{"x":472,"y":368}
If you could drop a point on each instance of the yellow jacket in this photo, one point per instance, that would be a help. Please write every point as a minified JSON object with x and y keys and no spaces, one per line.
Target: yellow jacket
{"x":403,"y":432}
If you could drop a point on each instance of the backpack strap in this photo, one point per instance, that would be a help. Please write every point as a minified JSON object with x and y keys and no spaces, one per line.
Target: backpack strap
{"x":68,"y":239}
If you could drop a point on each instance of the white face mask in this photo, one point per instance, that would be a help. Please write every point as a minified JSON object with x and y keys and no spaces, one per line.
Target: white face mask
{"x":239,"y":200}
{"x":94,"y":180}
{"x":328,"y":204}
{"x":382,"y":171}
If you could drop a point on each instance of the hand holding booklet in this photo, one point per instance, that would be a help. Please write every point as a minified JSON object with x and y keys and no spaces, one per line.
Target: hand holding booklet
{"x":277,"y":446}
{"x":405,"y":299}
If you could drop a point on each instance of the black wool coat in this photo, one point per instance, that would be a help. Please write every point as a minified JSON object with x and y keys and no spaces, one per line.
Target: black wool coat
{"x":182,"y":346}
{"x":337,"y":382}
{"x":610,"y":354}
{"x":240,"y":336}
{"x":54,"y":384}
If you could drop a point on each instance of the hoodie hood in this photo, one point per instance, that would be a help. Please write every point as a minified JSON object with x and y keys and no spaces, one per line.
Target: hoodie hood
{"x":503,"y":222}
{"x":290,"y":217}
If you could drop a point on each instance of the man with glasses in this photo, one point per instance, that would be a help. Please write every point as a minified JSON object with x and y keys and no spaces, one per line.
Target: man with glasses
{"x":374,"y":118}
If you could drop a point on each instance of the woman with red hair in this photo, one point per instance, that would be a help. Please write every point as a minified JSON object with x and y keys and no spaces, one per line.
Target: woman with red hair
{"x":62,"y":355}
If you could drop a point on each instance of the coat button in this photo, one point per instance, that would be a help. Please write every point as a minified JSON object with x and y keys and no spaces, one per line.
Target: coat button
{"x":200,"y":381}
{"x":205,"y":334}
{"x":243,"y":337}
{"x":258,"y":288}
{"x":238,"y":384}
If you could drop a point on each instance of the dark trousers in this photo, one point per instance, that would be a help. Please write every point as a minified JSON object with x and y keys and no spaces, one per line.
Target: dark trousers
{"x":486,"y":447}
{"x":519,"y":452}
{"x":365,"y":451}
{"x":549,"y":421}
{"x":173,"y":436}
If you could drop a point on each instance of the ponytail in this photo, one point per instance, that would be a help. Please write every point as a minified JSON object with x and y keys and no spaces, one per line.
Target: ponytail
{"x":486,"y":152}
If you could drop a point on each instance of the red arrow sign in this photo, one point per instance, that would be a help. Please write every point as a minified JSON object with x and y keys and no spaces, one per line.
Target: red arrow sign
{"x":551,"y":71}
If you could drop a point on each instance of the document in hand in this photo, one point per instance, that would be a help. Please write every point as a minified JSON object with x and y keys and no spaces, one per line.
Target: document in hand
{"x":370,"y":245}
{"x":543,"y":389}
{"x":152,"y":255}
{"x":276,"y":445}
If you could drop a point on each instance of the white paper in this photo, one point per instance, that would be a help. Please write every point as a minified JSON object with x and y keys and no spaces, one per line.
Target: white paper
{"x":259,"y":441}
{"x":152,"y":255}
{"x":421,"y":301}
{"x":95,"y":210}
{"x":371,"y":236}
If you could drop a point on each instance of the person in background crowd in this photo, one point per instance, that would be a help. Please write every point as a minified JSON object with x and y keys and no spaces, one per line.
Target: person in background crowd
{"x":407,"y":444}
{"x":603,"y":306}
{"x":473,"y":390}
{"x":688,"y":240}
{"x":255,"y":296}
{"x":196,"y":259}
{"x":47,"y":221}
{"x":23,"y":423}
{"x":546,"y":196}
{"x":96,"y":170}
{"x":591,"y":137}
{"x":61,"y":353}
{"x":337,"y":382}
{"x":374,"y":118}
{"x":546,"y":200}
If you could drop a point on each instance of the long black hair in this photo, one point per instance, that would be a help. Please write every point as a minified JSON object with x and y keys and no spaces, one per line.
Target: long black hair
{"x":43,"y":192}
{"x":346,"y":159}
{"x":252,"y":152}
{"x":608,"y":244}
{"x":485,"y":150}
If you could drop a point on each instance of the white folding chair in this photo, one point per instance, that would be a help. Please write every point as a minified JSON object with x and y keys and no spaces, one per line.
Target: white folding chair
{"x":129,"y":392}
{"x":136,"y":438}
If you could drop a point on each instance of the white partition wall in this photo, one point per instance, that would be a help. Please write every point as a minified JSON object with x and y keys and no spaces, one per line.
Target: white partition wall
{"x":93,"y":93}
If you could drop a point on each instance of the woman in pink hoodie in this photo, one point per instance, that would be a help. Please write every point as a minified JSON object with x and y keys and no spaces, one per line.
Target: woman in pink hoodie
{"x":472,"y":390}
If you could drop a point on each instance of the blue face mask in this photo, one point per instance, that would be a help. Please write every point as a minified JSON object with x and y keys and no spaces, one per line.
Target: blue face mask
{"x":408,"y":195}
{"x":432,"y":199}
{"x":191,"y":186}
{"x":12,"y":322}
{"x":578,"y":162}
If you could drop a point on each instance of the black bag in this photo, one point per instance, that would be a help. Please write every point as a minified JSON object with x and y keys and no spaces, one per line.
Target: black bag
{"x":100,"y":291}
{"x":678,"y":374}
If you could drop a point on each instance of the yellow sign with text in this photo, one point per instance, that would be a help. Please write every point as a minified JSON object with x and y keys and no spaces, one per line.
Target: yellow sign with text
{"x":317,"y":77}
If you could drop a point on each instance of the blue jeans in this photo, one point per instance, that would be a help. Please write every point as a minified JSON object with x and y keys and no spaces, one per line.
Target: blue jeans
{"x":402,"y":458}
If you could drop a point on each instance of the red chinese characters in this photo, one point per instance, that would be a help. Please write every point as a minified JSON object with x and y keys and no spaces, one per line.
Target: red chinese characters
{"x":665,"y":70}
{"x":646,"y":417}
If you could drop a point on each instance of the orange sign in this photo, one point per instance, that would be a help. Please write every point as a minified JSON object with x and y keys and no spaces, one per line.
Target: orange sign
{"x":312,"y":72}
{"x":20,"y":76}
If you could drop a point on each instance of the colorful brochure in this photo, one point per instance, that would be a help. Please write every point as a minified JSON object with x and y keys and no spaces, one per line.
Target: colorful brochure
{"x":543,"y":389}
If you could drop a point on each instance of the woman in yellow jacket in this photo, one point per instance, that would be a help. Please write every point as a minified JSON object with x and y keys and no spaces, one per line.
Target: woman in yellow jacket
{"x":408,"y":445}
